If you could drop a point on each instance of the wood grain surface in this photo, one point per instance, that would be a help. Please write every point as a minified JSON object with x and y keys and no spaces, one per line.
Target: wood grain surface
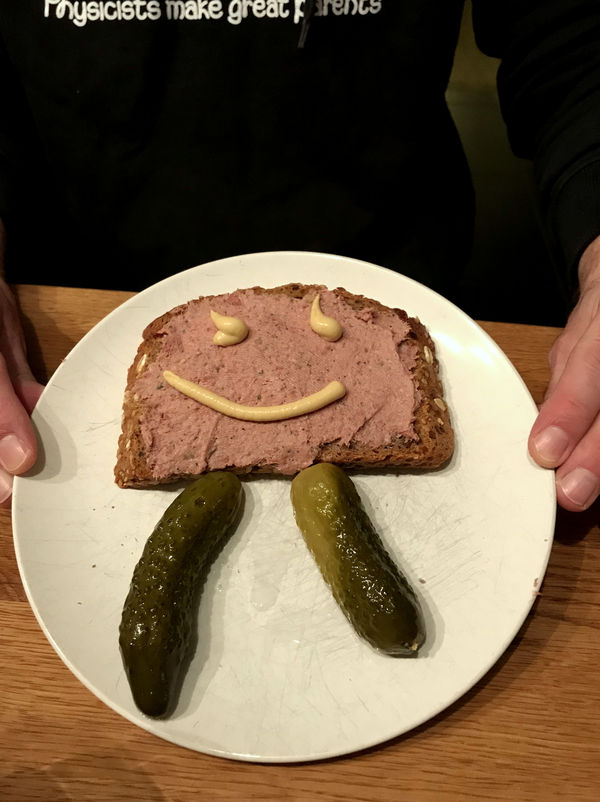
{"x":530,"y":729}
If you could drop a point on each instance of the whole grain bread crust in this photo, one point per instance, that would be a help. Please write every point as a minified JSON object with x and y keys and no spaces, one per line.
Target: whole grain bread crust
{"x":432,"y":447}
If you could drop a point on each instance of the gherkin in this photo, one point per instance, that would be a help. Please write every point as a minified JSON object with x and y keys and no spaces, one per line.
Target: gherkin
{"x":369,"y":587}
{"x":157,"y":622}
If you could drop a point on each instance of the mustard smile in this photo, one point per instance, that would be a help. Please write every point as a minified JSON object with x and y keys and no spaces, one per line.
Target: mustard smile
{"x":310,"y":403}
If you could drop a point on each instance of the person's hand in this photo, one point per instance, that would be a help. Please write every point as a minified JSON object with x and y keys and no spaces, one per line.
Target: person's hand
{"x":566,"y":434}
{"x":19,"y":392}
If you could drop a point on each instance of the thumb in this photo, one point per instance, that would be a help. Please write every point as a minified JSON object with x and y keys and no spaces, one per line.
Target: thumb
{"x":29,"y":391}
{"x":18,"y":444}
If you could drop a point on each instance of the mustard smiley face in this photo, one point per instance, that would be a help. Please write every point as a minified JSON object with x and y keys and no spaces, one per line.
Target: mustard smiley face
{"x":233,"y":330}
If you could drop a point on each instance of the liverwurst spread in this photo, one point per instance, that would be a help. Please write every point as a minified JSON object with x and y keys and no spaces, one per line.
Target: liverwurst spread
{"x":280,"y":359}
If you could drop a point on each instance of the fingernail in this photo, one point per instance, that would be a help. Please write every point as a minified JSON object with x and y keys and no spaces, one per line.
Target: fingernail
{"x":551,"y":445}
{"x":580,"y":486}
{"x":12,"y":453}
{"x":6,"y":483}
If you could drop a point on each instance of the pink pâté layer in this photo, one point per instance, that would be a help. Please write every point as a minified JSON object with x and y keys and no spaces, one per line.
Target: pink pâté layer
{"x":168,"y":436}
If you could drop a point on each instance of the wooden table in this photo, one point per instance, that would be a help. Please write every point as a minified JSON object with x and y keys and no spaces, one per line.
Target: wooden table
{"x":529,"y":730}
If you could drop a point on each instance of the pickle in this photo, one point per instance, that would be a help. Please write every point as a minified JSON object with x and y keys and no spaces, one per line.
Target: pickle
{"x":366,"y":583}
{"x":155,"y":634}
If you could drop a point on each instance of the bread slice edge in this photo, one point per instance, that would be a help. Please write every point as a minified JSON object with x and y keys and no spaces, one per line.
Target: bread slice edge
{"x":432,"y":448}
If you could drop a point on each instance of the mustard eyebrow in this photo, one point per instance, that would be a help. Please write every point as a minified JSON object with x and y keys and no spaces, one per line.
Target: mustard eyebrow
{"x":231,"y":330}
{"x":326,"y":327}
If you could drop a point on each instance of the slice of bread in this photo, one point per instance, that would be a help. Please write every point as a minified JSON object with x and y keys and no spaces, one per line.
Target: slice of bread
{"x":168,"y":437}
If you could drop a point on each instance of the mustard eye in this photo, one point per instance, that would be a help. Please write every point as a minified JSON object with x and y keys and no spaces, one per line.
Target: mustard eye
{"x":231,"y":330}
{"x":326,"y":327}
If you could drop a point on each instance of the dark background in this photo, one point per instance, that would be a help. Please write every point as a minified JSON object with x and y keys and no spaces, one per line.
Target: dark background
{"x":510,"y":275}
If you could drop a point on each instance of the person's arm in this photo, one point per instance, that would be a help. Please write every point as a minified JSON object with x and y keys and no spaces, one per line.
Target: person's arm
{"x":19,"y":392}
{"x":549,"y":88}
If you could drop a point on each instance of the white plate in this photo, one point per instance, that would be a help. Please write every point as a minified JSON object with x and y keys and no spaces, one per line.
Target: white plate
{"x":278,"y":674}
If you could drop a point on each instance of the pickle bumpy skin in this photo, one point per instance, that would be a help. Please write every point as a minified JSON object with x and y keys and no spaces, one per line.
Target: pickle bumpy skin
{"x":158,"y":614}
{"x":372,"y":592}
